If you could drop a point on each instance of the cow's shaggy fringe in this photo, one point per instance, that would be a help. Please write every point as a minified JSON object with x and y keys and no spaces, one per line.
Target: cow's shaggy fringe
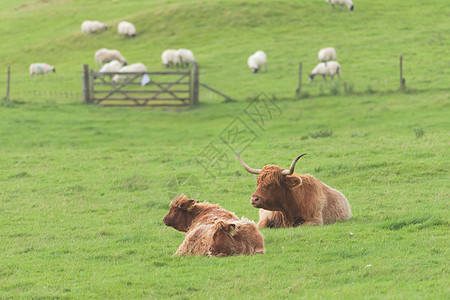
{"x":271,"y":175}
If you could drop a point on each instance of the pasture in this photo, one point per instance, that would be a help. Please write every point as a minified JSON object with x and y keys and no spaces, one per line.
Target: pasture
{"x":83,"y":189}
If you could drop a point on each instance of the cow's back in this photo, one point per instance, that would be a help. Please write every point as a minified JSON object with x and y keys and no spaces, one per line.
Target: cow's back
{"x":336,"y":206}
{"x":197,"y":240}
{"x":210,"y":216}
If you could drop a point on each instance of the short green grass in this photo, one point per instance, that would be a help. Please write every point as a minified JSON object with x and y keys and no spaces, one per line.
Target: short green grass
{"x":83,"y":189}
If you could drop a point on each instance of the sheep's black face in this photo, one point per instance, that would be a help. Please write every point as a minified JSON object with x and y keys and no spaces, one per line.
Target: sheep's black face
{"x":255,"y":70}
{"x":54,"y":70}
{"x":351,"y":8}
{"x":311,"y":77}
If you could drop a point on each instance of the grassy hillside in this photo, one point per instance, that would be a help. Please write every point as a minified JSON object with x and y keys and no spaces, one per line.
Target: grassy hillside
{"x":83,"y":189}
{"x":223,"y":34}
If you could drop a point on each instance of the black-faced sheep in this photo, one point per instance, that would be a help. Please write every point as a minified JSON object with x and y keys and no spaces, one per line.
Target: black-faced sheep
{"x":170,"y":58}
{"x":330,"y":68}
{"x":126,"y":28}
{"x":104,"y":55}
{"x":257,"y":60}
{"x":185,"y":56}
{"x":348,"y":3}
{"x":112,"y":66}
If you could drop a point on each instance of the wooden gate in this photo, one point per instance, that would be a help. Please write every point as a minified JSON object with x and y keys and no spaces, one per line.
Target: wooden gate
{"x":168,"y":88}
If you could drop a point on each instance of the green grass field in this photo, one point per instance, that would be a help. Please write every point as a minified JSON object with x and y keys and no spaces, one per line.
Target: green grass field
{"x":83,"y":189}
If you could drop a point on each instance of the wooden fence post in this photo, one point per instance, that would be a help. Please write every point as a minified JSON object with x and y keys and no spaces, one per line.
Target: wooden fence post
{"x":195,"y":83}
{"x":8,"y":82}
{"x":299,"y":89}
{"x":86,"y":95}
{"x":402,"y":80}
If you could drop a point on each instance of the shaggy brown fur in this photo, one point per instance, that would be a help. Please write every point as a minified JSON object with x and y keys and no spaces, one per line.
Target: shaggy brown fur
{"x":237,"y":237}
{"x":298,"y":199}
{"x":199,"y":221}
{"x":197,"y":241}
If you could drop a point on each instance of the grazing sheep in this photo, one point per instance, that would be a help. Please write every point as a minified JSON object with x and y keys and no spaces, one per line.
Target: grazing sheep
{"x":41,"y":68}
{"x":88,"y":27}
{"x":170,"y":58}
{"x":112,"y":66}
{"x":327,"y":54}
{"x":348,"y":3}
{"x":185,"y":57}
{"x":330,"y":68}
{"x":257,"y":60}
{"x":104,"y":55}
{"x":126,"y":28}
{"x":134,"y":68}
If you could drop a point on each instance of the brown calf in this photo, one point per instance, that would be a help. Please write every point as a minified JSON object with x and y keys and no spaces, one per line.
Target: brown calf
{"x":287,"y":199}
{"x":237,"y":237}
{"x":200,"y":222}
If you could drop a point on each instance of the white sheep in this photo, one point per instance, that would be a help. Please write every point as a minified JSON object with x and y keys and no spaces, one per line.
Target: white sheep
{"x":327,"y":54}
{"x":134,"y":68}
{"x":330,"y":68}
{"x":126,"y":28}
{"x":170,"y":58}
{"x":257,"y":60}
{"x":348,"y":3}
{"x":41,"y":68}
{"x":185,"y":57}
{"x":88,"y":27}
{"x":104,"y":55}
{"x":112,"y":66}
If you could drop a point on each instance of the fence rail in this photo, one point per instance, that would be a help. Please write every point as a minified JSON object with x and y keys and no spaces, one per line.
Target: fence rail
{"x":171,"y":88}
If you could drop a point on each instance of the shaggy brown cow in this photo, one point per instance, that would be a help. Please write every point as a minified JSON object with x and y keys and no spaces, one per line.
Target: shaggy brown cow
{"x":200,"y":222}
{"x":237,"y":237}
{"x":287,"y":199}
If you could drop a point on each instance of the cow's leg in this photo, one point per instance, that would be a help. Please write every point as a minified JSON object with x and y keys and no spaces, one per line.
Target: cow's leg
{"x":263,"y":222}
{"x":316,"y":219}
{"x":264,"y":218}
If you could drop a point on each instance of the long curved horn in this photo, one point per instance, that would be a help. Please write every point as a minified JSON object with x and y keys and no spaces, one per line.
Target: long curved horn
{"x":250,"y":170}
{"x":291,"y":169}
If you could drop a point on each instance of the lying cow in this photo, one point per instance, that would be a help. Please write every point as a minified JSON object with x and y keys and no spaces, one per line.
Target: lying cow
{"x":212,"y":230}
{"x":286,"y":199}
{"x":237,"y":237}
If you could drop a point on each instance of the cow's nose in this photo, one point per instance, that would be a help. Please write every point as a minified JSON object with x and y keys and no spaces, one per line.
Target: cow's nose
{"x":254,"y":199}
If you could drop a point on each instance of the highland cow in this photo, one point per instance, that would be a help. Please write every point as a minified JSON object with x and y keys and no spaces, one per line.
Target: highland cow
{"x":237,"y":237}
{"x":204,"y":234}
{"x":286,"y":199}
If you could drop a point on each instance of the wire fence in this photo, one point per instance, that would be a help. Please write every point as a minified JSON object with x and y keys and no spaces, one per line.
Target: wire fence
{"x":67,"y":87}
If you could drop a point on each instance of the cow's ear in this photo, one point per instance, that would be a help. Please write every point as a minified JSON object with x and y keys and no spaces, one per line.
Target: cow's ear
{"x":294,"y":181}
{"x":190,"y":204}
{"x":231,"y":229}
